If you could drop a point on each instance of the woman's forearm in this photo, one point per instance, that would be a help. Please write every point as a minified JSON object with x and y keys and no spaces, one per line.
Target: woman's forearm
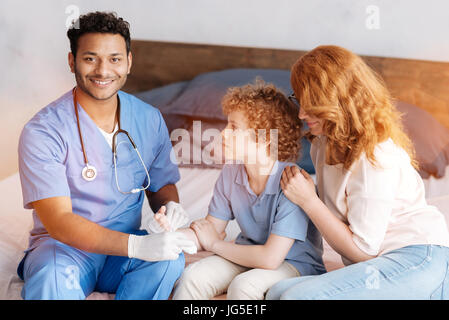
{"x":335,"y":231}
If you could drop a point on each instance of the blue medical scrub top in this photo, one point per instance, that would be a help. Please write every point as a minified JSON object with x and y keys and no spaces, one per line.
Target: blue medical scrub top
{"x":269,"y":213}
{"x":51,"y":161}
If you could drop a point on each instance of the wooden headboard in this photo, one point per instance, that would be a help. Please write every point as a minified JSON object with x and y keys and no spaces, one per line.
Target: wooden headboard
{"x":422,"y":83}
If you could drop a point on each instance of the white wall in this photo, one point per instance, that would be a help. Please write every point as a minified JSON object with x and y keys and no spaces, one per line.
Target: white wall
{"x":34,"y":47}
{"x":415,"y":29}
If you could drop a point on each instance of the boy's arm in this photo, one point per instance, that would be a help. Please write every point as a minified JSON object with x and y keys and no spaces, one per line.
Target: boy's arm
{"x":190,"y":234}
{"x":268,"y":256}
{"x":219,"y":225}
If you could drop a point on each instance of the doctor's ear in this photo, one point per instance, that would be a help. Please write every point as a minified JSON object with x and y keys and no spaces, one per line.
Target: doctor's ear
{"x":130,"y":61}
{"x":71,"y":59}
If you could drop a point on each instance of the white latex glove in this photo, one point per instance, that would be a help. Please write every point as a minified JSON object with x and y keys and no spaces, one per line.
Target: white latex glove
{"x":158,"y":246}
{"x":175,"y":217}
{"x":153,"y":224}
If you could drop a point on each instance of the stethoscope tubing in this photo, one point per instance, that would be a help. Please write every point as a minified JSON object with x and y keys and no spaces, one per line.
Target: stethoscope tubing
{"x":114,"y":150}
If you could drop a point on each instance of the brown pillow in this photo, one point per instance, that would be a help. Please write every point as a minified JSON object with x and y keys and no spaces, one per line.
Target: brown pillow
{"x":430,"y":138}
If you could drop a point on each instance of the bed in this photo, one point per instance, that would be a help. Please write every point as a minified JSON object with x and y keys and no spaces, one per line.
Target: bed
{"x":163,"y":72}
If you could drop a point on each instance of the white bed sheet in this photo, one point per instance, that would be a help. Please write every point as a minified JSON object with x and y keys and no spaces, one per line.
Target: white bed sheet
{"x":195,"y":191}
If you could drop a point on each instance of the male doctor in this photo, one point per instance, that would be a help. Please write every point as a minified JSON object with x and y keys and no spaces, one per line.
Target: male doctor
{"x":86,"y":201}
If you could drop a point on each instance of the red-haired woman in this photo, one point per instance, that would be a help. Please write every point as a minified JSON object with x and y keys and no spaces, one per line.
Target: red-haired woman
{"x":371,"y":205}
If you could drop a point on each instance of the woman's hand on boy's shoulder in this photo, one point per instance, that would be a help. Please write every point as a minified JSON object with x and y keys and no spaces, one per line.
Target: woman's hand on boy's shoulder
{"x":297,"y":185}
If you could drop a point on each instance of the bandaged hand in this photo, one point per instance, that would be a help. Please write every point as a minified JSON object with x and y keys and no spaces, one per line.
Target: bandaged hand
{"x":177,"y":217}
{"x":169,"y":218}
{"x":159,"y":246}
{"x":158,"y":222}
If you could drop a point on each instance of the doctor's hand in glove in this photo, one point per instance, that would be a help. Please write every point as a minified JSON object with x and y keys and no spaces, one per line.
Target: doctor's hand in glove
{"x":169,"y":218}
{"x":159,"y":246}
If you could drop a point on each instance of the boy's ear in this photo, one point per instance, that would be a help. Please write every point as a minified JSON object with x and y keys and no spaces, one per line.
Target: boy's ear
{"x":265,"y":141}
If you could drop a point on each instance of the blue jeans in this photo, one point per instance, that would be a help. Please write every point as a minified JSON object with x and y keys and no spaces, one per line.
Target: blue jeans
{"x":54,"y":270}
{"x":413,"y":272}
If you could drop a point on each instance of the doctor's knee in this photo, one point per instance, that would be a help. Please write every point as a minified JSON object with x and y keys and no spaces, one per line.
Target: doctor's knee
{"x":174,"y":268}
{"x":52,"y":283}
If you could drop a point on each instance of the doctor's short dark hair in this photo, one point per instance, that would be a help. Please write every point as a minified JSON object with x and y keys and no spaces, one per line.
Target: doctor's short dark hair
{"x":102,"y":22}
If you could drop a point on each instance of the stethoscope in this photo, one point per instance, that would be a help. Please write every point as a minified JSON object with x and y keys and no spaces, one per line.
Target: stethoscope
{"x":89,"y":173}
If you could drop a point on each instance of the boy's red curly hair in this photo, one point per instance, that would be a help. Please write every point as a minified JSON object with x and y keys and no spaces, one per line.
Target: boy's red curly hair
{"x":266,"y":107}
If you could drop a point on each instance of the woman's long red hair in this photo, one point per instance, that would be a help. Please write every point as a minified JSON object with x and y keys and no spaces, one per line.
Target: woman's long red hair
{"x":336,"y":85}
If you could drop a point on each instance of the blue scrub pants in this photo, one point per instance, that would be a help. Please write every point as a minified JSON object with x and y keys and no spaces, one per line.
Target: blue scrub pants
{"x":412,"y":272}
{"x":54,"y":270}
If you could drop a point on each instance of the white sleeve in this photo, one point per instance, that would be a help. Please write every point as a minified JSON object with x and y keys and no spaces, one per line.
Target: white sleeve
{"x":370,"y":196}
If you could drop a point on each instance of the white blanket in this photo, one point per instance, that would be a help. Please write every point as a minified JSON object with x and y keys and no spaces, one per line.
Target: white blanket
{"x":195,"y":190}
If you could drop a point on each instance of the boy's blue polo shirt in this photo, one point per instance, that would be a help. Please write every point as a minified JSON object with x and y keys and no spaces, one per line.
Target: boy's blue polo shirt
{"x":269,"y":213}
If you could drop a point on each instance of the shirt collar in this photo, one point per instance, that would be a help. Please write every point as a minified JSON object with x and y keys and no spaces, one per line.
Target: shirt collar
{"x":272,"y":186}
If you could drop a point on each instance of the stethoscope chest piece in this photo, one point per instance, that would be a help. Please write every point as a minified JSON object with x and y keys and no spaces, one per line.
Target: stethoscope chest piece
{"x":89,"y":173}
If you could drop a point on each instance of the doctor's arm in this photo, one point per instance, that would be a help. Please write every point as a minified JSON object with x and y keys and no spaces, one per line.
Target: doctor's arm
{"x":65,"y":226}
{"x":161,"y":197}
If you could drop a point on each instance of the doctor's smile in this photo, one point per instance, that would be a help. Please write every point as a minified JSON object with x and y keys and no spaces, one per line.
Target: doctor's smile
{"x":101,"y":84}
